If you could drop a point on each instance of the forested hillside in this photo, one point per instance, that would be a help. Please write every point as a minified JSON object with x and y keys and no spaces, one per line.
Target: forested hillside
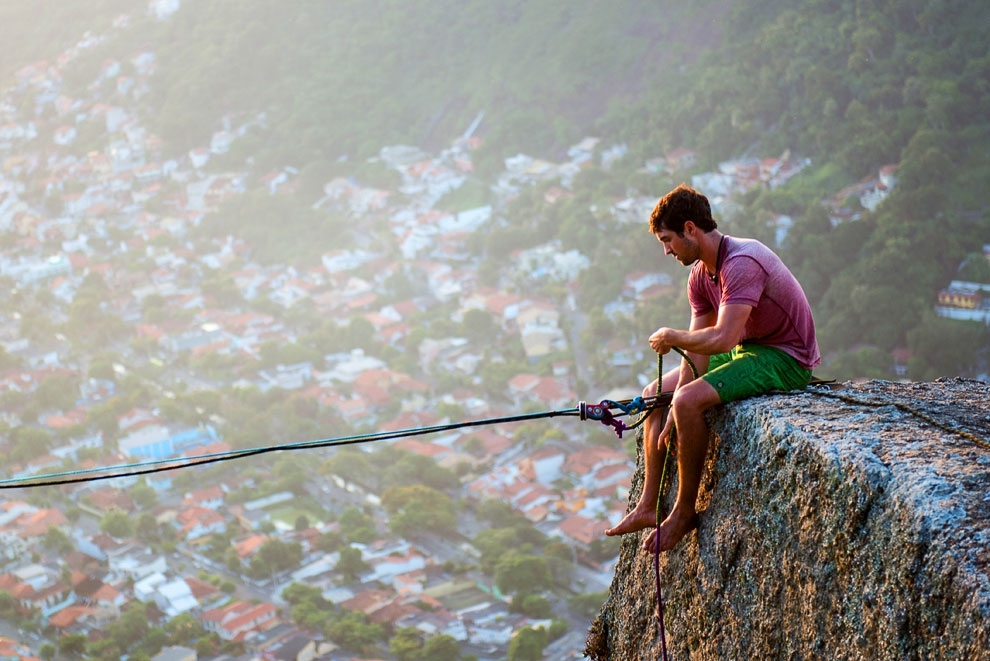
{"x":850,"y":84}
{"x":854,"y":85}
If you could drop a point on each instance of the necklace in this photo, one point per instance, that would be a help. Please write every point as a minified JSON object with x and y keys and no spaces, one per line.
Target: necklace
{"x":718,"y":260}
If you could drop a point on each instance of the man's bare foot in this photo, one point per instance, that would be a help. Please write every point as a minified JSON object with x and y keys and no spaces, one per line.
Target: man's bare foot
{"x":639,"y":519}
{"x":670,"y":532}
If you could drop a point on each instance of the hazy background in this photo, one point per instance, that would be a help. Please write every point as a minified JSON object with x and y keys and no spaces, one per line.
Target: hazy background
{"x":852,"y":86}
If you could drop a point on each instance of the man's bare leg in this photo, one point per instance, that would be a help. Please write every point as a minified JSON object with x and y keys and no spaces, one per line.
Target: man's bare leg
{"x":688,"y":410}
{"x":644,"y":515}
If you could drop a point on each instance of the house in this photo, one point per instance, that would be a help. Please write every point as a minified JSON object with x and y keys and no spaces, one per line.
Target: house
{"x":34,"y":575}
{"x":157,"y":441}
{"x":435,"y":622}
{"x":580,"y":530}
{"x":965,"y":300}
{"x":70,"y":618}
{"x":642,"y":285}
{"x":367,"y":601}
{"x":211,"y":497}
{"x":614,"y":480}
{"x":97,"y":594}
{"x":542,"y":341}
{"x":64,"y":135}
{"x":33,"y":525}
{"x":248,"y":546}
{"x":237,"y":620}
{"x":196,"y":521}
{"x":543,"y":465}
{"x":587,"y":461}
{"x":534,"y":500}
{"x":296,"y":647}
{"x":552,"y":392}
{"x":221,"y":141}
{"x":488,"y":624}
{"x":199,"y":157}
{"x":340,"y":261}
{"x":103,"y":500}
{"x":680,"y":159}
{"x":49,"y":599}
{"x":203,"y":592}
{"x":386,"y":569}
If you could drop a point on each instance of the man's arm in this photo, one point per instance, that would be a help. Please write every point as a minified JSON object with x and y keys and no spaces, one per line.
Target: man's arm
{"x":698,"y":322}
{"x":704,"y":337}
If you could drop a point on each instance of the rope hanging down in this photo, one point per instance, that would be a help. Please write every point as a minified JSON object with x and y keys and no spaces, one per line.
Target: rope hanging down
{"x":660,"y":515}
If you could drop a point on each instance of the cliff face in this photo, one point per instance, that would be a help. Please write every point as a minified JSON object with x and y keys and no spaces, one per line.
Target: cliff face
{"x":830,"y":529}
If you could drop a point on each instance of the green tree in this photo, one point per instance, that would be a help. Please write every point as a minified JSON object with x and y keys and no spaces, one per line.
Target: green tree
{"x":407,"y":644}
{"x":183,"y":629}
{"x":351,"y":465}
{"x":528,"y":644}
{"x":275,"y":556}
{"x":296,"y":593}
{"x":419,"y":508}
{"x":351,"y":563}
{"x":30,"y":442}
{"x":493,"y":544}
{"x":413,"y":469}
{"x":518,"y":573}
{"x":144,"y":495}
{"x":356,"y":526}
{"x":56,"y":540}
{"x":117,"y":524}
{"x":59,"y":391}
{"x":131,"y":627}
{"x":8,"y":361}
{"x":945,"y":347}
{"x":480,"y":326}
{"x":352,"y":630}
{"x":535,"y":606}
{"x":47,"y":651}
{"x":72,"y":645}
{"x":441,"y":646}
{"x":147,"y":528}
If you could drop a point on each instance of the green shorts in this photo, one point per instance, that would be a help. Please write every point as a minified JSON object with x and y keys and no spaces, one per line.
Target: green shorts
{"x":754,"y":369}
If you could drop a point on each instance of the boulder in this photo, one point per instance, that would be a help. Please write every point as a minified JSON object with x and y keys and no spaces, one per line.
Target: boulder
{"x":845,"y":524}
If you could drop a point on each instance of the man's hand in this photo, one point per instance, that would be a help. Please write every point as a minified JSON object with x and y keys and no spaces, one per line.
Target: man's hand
{"x":660,"y":340}
{"x":664,"y":438}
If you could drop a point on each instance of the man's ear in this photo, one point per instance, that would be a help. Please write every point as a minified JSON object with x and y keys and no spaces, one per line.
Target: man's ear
{"x":690,"y":228}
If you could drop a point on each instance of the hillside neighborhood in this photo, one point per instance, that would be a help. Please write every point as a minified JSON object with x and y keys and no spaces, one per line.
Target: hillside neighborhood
{"x":90,"y":202}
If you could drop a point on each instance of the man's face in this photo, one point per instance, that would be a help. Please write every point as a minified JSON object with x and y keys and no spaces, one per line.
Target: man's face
{"x":681,"y":246}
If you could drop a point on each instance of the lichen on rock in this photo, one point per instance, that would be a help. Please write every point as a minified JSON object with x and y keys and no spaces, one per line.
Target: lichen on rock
{"x":852,"y":524}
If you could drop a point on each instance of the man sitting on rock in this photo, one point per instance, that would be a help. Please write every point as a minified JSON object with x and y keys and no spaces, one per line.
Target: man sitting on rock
{"x":751,"y":332}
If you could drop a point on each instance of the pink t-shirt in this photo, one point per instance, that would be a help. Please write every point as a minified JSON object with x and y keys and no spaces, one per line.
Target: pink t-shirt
{"x":752,"y":274}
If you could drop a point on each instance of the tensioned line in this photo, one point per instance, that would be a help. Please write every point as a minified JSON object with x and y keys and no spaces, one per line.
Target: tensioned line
{"x":161,"y":465}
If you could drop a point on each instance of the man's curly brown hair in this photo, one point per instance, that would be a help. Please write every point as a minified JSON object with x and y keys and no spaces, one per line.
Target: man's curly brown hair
{"x":679,"y":206}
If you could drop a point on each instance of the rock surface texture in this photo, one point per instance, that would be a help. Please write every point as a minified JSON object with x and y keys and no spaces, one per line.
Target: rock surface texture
{"x":843,"y":524}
